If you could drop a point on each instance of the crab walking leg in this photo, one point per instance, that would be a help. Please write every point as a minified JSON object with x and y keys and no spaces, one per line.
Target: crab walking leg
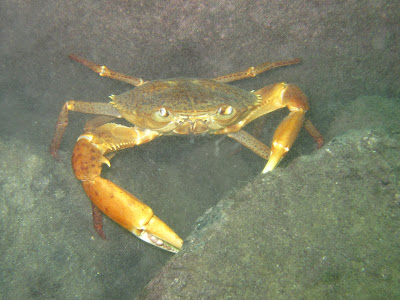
{"x":98,"y":221}
{"x":118,"y":204}
{"x":97,"y":121}
{"x":254,"y":71}
{"x":80,"y":106}
{"x":314,"y":132}
{"x":104,"y":71}
{"x":251,"y":142}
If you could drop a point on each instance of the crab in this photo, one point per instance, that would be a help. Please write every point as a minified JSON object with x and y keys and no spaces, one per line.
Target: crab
{"x":173,"y":107}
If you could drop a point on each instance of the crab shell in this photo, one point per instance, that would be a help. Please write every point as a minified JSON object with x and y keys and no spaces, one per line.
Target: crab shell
{"x":185,"y":105}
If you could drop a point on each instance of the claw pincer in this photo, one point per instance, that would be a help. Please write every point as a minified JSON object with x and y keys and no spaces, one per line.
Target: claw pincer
{"x":115,"y":202}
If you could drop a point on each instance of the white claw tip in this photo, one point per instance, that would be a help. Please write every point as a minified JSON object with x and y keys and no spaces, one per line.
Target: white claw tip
{"x":266,"y":170}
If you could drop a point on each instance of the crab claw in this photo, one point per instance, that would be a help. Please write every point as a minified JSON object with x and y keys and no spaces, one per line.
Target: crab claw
{"x":284,"y":137}
{"x":118,"y":204}
{"x":132,"y":214}
{"x":277,"y":96}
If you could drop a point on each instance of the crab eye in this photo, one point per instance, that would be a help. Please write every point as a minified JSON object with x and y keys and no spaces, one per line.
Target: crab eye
{"x":225,"y":110}
{"x":163,"y":112}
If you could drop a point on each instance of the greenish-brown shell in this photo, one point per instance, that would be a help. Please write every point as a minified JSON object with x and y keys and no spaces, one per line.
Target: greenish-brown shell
{"x":184,"y":95}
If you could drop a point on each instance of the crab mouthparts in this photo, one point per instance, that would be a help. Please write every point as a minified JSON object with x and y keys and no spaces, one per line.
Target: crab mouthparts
{"x":191,"y":127}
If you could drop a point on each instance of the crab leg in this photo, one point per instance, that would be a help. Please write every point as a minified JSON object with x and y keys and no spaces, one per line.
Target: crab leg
{"x":313,"y":131}
{"x":105,"y":109}
{"x":98,"y":221}
{"x":115,"y":202}
{"x":254,"y":71}
{"x":104,"y":71}
{"x":251,"y":142}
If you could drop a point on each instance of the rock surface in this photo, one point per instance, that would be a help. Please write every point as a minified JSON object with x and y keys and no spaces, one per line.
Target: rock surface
{"x":326,"y":226}
{"x":48,"y":246}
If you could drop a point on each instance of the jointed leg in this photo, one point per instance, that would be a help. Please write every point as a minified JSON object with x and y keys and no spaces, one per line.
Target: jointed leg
{"x":313,"y":131}
{"x":98,"y":221}
{"x":97,"y":121}
{"x":79,"y":106}
{"x":251,"y":142}
{"x":104,"y":71}
{"x":253,"y":71}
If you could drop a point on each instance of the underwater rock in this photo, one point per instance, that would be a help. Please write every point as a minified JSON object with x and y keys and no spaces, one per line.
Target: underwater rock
{"x":324,"y":226}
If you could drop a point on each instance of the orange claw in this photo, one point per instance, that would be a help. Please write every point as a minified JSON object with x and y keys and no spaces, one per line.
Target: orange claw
{"x":115,"y":202}
{"x":284,"y":137}
{"x":283,"y":95}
